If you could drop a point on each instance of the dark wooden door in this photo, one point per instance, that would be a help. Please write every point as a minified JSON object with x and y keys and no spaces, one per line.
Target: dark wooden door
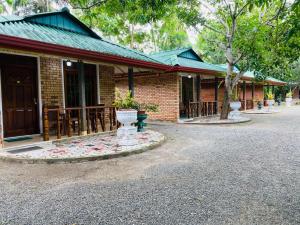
{"x":20,"y":101}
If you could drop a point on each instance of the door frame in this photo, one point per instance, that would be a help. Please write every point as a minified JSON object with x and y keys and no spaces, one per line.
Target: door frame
{"x":39,"y":91}
{"x":193,"y":78}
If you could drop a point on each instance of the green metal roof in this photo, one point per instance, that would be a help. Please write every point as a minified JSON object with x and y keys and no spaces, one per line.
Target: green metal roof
{"x":56,"y":33}
{"x":185,"y":57}
{"x":251,"y":75}
{"x":199,"y":65}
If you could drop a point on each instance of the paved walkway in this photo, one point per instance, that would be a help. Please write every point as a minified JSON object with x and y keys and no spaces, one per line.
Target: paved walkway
{"x":92,"y":147}
{"x":228,"y":174}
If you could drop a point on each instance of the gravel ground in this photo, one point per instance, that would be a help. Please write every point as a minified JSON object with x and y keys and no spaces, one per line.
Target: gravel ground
{"x":223,"y":174}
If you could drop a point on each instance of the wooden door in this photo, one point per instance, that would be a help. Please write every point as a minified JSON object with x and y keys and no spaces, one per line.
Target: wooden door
{"x":19,"y":99}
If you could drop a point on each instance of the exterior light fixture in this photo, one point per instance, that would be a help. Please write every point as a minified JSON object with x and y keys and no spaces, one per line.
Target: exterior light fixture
{"x":189,"y":76}
{"x":69,"y":63}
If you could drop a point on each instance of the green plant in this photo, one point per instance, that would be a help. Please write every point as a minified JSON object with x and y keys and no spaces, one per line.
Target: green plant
{"x":289,"y":94}
{"x":235,"y":95}
{"x":126,"y":102}
{"x":270,"y":96}
{"x":148,"y":107}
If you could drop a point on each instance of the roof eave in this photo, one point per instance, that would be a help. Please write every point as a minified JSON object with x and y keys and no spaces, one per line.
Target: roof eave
{"x":195,"y":70}
{"x":48,"y":48}
{"x":265,"y":81}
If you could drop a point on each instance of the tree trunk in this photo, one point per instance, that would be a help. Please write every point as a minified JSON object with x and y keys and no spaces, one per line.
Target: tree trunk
{"x":225,"y":105}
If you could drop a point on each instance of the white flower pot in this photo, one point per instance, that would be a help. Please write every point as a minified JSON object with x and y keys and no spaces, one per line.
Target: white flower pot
{"x":127,"y":117}
{"x":270,"y":103}
{"x":235,"y":105}
{"x":235,"y":114}
{"x":288,"y":101}
{"x":127,"y":133}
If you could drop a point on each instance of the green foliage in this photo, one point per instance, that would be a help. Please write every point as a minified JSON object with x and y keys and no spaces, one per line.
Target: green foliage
{"x":169,"y":33}
{"x":269,"y":96}
{"x":267,"y":37}
{"x":289,"y":94}
{"x":235,"y":96}
{"x":128,"y":22}
{"x":148,"y":107}
{"x":126,"y":102}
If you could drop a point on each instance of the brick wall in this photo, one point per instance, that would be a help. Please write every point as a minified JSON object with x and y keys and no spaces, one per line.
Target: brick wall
{"x":296,"y":93}
{"x":51,"y":81}
{"x":160,"y":89}
{"x":259,"y":92}
{"x":107,"y":85}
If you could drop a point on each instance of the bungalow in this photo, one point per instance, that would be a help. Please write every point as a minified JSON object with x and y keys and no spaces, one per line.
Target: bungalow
{"x":58,"y":77}
{"x":196,"y":91}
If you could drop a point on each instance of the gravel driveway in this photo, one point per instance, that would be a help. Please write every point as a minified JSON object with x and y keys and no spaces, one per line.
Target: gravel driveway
{"x":230,"y":174}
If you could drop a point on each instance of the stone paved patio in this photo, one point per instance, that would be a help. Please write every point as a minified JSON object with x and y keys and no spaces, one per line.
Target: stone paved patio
{"x":86,"y":147}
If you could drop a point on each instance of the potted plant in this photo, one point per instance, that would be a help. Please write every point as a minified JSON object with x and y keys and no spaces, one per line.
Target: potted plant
{"x":288,"y":99}
{"x":259,"y":104}
{"x":142,"y":108}
{"x":235,"y":105}
{"x":270,"y":99}
{"x":127,"y":115}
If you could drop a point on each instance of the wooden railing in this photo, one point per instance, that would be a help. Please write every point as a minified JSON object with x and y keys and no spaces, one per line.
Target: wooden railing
{"x":67,"y":121}
{"x":202,"y":109}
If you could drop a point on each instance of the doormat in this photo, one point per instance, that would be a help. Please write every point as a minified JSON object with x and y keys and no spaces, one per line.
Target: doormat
{"x":28,"y":149}
{"x":13,"y":139}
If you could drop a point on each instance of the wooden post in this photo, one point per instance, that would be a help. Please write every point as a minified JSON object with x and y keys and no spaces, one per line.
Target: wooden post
{"x":88,"y":121}
{"x":198,"y":90}
{"x":130,"y":81}
{"x":82,"y":100}
{"x":96,"y":120}
{"x":79,"y":122}
{"x":252,"y":94}
{"x":244,"y":95}
{"x":45,"y":124}
{"x":216,"y":94}
{"x":58,"y":123}
{"x":69,"y":123}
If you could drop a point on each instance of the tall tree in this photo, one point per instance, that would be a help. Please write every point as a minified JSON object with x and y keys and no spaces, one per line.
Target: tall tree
{"x":140,"y":24}
{"x":239,"y":29}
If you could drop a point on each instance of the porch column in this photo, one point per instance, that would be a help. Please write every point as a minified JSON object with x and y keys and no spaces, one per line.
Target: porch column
{"x":244,"y":95}
{"x":198,"y":87}
{"x":252,"y":94}
{"x":130,"y":81}
{"x":198,"y":91}
{"x":273,"y":89}
{"x":82,"y":102}
{"x":216,"y":95}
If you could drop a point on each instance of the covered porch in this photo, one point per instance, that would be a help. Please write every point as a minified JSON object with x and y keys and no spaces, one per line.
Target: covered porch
{"x":46,"y":98}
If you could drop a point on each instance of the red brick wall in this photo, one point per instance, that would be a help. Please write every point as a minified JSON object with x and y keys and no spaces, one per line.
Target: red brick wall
{"x":51,"y":81}
{"x":296,"y":93}
{"x":208,"y":92}
{"x":160,"y":89}
{"x":259,"y":92}
{"x":107,"y":85}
